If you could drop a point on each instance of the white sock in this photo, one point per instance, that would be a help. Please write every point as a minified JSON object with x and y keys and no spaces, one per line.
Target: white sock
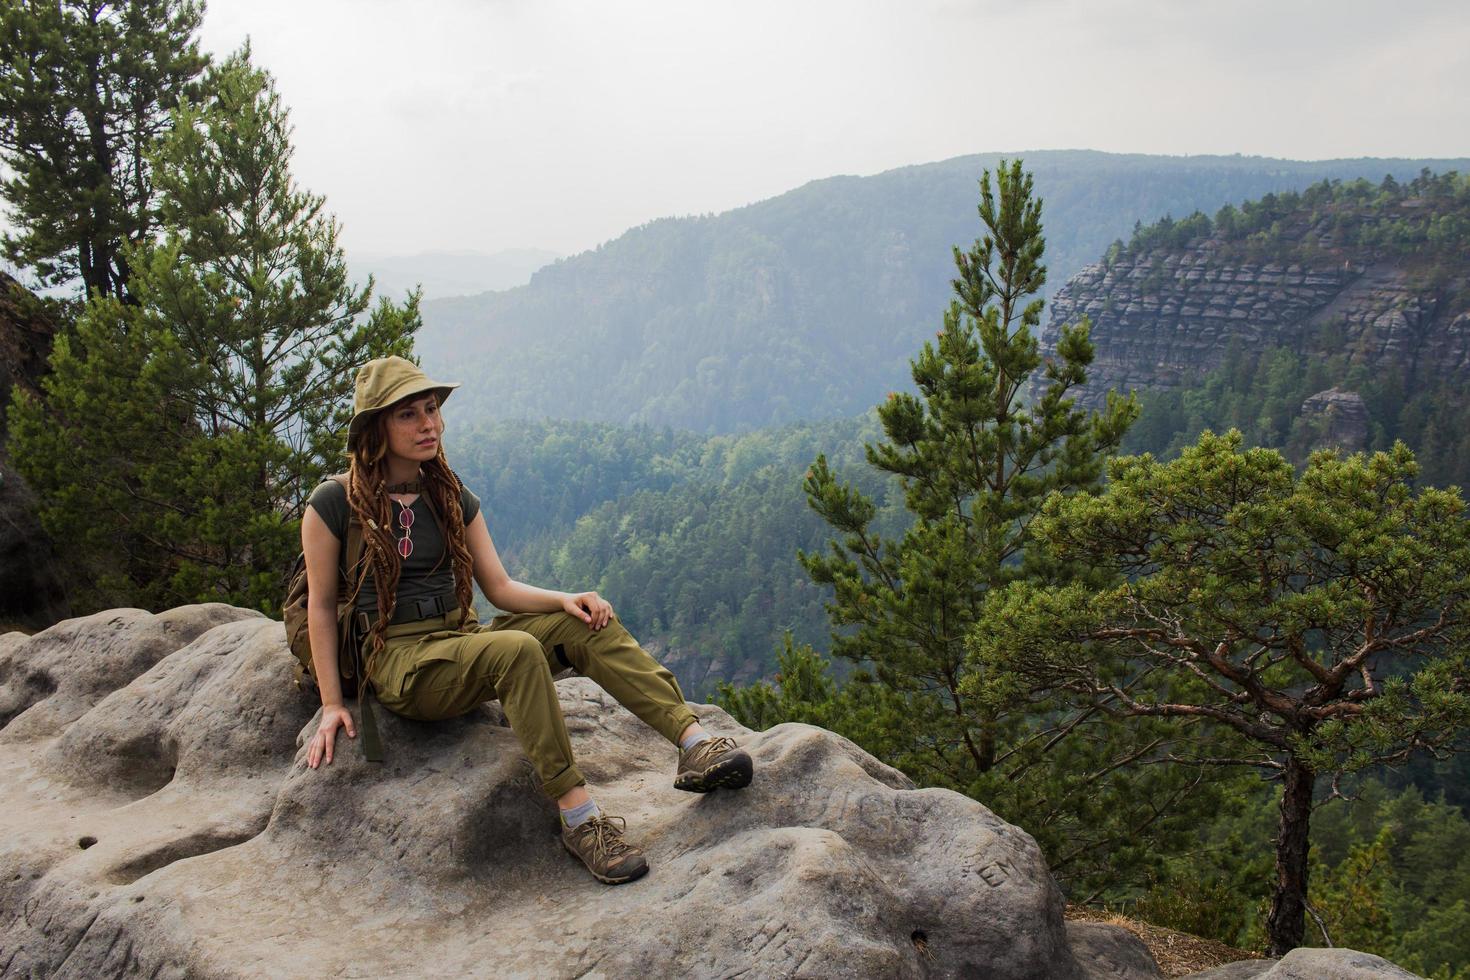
{"x":578,"y":815}
{"x":692,"y":740}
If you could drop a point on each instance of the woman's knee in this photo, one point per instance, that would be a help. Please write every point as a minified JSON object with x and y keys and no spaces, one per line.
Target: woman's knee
{"x":511,"y":652}
{"x":613,"y":634}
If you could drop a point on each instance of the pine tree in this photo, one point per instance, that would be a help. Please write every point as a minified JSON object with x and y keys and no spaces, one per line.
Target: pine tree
{"x":179,"y":435}
{"x":993,"y":430}
{"x":975,"y":461}
{"x":1320,"y":619}
{"x":86,"y":88}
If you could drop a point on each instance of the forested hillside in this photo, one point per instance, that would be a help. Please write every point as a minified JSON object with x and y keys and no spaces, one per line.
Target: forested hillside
{"x":1142,"y":669}
{"x":692,"y":538}
{"x":807,"y":305}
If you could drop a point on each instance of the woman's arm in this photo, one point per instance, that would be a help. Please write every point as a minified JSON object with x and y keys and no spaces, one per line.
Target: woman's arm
{"x":323,"y":552}
{"x":516,"y":597}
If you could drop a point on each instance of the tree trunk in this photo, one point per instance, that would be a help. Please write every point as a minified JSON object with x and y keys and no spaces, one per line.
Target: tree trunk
{"x":1285,"y":924}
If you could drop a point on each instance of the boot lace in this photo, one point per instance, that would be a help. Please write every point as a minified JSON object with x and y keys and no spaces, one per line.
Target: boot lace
{"x":607,"y":839}
{"x":705,"y":752}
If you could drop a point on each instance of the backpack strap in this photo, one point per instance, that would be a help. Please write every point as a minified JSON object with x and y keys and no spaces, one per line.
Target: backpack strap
{"x":355,"y":542}
{"x":357,"y":568}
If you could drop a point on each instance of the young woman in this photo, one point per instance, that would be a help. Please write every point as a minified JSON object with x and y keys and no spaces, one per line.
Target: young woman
{"x":424,"y":651}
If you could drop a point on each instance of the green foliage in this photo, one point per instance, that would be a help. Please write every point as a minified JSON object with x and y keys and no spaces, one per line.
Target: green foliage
{"x":1166,"y":233}
{"x":1217,"y":887}
{"x":804,"y":691}
{"x":691,"y":537}
{"x":701,"y":566}
{"x":1436,"y":945}
{"x":179,"y":435}
{"x":539,"y":477}
{"x":1389,"y":874}
{"x":1429,"y":214}
{"x":1260,"y":393}
{"x":1319,"y":620}
{"x":1351,"y":899}
{"x":975,"y":461}
{"x":86,"y":89}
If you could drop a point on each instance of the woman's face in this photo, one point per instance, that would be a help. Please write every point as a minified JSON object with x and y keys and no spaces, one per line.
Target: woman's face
{"x":414,"y":427}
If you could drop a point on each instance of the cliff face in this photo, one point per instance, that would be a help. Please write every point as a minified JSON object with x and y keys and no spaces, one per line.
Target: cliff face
{"x":30,"y":586}
{"x":25,"y":339}
{"x":1374,"y":278}
{"x":1162,"y":318}
{"x":1342,"y":418}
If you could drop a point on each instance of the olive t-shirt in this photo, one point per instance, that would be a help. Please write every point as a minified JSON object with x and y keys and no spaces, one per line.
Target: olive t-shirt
{"x":427,"y":572}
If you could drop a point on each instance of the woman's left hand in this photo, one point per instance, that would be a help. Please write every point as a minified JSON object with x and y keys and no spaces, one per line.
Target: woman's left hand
{"x":590,"y":608}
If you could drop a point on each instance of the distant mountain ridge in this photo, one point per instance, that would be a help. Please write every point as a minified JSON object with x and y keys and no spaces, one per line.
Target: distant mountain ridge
{"x":804,"y":306}
{"x":444,"y":274}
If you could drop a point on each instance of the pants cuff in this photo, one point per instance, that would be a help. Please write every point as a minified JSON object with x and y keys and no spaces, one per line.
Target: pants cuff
{"x":563,"y":781}
{"x":680,"y":719}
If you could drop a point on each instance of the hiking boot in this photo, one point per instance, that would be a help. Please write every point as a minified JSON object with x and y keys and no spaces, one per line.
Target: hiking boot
{"x":599,"y":843}
{"x":712,"y":764}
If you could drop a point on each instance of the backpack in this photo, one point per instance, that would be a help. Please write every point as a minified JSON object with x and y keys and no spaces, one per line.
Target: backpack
{"x":298,"y":636}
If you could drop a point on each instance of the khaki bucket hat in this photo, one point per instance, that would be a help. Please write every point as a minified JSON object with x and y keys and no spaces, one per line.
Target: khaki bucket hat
{"x":384,"y":381}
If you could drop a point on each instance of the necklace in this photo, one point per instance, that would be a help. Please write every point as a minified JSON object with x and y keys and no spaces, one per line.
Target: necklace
{"x":405,"y":521}
{"x":412,"y":486}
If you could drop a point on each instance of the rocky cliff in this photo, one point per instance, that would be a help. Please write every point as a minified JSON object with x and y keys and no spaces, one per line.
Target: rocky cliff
{"x":1380,"y":281}
{"x":30,"y":585}
{"x":1163,"y":318}
{"x":160,"y":822}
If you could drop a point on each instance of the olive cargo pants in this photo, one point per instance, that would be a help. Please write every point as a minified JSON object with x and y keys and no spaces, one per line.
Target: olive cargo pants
{"x":428,"y":670}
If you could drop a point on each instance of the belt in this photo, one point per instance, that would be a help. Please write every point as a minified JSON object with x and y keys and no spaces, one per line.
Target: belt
{"x":411,"y":611}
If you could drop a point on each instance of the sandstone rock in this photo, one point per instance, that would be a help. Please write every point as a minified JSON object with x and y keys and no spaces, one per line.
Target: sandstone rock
{"x":1377,"y":313}
{"x":1341,"y":418}
{"x":1243,"y":970}
{"x":49,"y":680}
{"x":1311,"y":964}
{"x":170,"y":828}
{"x":1107,"y":952}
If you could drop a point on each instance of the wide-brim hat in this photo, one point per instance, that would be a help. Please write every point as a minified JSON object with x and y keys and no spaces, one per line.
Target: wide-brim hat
{"x":385,"y":381}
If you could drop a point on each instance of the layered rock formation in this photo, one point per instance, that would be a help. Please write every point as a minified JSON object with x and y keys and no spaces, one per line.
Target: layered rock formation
{"x":161,"y":822}
{"x":1161,"y":318}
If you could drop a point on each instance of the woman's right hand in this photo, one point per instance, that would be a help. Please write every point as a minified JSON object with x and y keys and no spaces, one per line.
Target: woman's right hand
{"x":333,"y":717}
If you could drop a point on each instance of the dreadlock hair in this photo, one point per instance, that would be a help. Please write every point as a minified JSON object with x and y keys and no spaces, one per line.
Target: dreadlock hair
{"x":367,"y":495}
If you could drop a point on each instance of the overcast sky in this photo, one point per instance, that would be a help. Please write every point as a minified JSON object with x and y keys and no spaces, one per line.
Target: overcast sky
{"x":490,"y":124}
